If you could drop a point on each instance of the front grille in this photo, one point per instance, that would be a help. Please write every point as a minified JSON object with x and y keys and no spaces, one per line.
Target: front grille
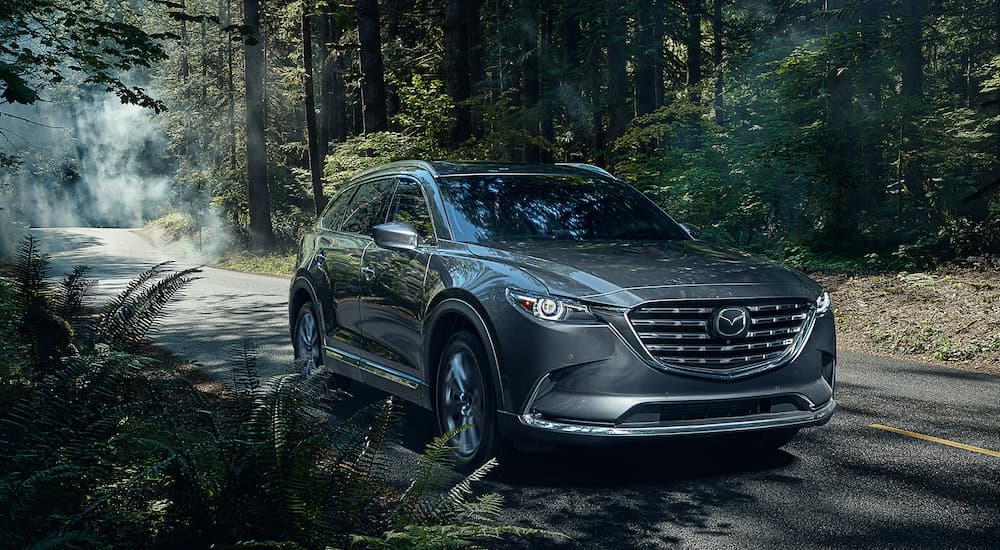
{"x":680,"y":334}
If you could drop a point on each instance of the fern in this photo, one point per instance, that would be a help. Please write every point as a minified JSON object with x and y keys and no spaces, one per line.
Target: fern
{"x":135,"y":311}
{"x":73,"y":290}
{"x":31,"y":271}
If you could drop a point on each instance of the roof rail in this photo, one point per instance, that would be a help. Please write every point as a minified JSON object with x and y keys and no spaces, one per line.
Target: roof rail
{"x":399,"y":164}
{"x":588,"y":167}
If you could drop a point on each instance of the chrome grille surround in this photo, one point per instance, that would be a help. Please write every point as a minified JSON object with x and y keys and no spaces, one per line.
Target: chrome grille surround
{"x":675,"y":334}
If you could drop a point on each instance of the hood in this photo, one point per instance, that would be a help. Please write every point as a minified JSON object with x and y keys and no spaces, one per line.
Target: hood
{"x":627,"y":273}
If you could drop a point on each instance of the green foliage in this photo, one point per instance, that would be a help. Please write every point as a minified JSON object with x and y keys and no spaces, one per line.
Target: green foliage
{"x":101,"y":450}
{"x":360,"y":153}
{"x":174,"y":226}
{"x":58,"y":38}
{"x":129,"y":317}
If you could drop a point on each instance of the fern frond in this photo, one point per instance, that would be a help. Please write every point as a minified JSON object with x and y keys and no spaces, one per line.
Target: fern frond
{"x":432,"y":471}
{"x":73,"y":290}
{"x":138,"y":309}
{"x":445,"y":536}
{"x":133,"y":287}
{"x":31,"y":271}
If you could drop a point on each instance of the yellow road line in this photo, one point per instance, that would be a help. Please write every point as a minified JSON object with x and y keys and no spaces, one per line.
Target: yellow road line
{"x":935,"y":440}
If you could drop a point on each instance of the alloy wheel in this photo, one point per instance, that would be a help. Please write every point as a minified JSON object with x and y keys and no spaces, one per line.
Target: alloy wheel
{"x":461,"y":401}
{"x":307,"y":341}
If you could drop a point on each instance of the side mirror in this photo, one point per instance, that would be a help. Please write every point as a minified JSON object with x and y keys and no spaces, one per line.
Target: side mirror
{"x":692,"y":230}
{"x":396,"y":236}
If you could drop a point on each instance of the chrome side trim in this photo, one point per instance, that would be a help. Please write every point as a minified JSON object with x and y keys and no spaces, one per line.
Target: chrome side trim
{"x":377,"y":369}
{"x":800,"y":419}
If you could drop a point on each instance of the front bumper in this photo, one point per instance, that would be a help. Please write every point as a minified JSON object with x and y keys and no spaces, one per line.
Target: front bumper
{"x":590,"y":384}
{"x":544,"y":431}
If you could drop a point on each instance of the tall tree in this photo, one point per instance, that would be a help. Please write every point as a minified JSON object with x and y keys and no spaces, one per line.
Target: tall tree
{"x":315,"y":156}
{"x":617,"y":75}
{"x":226,"y":21}
{"x":261,"y":230}
{"x":911,"y":47}
{"x":717,"y":59}
{"x":647,"y":52}
{"x":530,"y":80}
{"x":458,"y":73}
{"x":332,"y":103}
{"x":692,"y":46}
{"x":372,"y":67}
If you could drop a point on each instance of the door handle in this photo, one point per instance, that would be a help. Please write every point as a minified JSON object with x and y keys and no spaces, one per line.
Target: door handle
{"x":368,"y":273}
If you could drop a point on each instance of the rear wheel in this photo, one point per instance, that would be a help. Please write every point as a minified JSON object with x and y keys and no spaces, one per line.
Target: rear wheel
{"x":465,"y":402}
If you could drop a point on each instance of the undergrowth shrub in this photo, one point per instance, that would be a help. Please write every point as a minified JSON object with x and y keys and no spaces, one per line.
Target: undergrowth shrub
{"x":105,"y":448}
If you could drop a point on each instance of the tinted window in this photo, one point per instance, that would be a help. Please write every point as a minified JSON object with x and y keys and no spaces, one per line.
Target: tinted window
{"x":334,"y":214}
{"x":410,"y":206}
{"x":367,"y":207}
{"x":581,"y":208}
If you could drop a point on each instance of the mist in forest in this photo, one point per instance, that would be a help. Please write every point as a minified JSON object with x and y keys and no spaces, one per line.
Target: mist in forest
{"x":90,"y":163}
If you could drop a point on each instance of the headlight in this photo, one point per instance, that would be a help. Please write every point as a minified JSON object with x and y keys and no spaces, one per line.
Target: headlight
{"x":548,"y":308}
{"x":823,"y":303}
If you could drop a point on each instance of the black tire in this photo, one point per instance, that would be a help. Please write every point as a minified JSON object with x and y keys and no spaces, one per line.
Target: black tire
{"x":463,"y":395}
{"x":307,"y":339}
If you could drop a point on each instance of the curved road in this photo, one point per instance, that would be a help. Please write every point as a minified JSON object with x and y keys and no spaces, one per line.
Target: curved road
{"x":846,"y":485}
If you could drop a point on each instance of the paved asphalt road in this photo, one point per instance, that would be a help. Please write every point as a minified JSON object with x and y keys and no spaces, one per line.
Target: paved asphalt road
{"x":845,"y":485}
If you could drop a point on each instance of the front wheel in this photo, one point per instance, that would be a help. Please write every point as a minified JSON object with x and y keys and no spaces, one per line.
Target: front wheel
{"x":307,"y":342}
{"x":465,"y":402}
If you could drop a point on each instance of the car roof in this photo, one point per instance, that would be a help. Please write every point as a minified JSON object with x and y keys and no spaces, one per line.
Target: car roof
{"x":444,"y":169}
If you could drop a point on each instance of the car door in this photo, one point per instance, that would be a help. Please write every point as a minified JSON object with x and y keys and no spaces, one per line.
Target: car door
{"x":340,"y":255}
{"x":392,"y":293}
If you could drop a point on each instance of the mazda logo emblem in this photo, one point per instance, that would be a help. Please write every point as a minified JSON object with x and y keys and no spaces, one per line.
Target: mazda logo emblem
{"x":731,"y":322}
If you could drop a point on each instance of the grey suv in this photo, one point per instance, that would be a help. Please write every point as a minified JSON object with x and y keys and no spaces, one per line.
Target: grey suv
{"x":555,"y":304}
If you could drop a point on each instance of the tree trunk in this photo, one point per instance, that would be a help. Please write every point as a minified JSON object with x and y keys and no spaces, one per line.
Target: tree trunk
{"x":911,"y":58}
{"x":720,"y":117}
{"x":315,"y":157}
{"x":617,"y":77}
{"x":185,"y":68}
{"x":394,"y":14}
{"x":230,"y":88}
{"x":477,"y":72}
{"x":372,"y":67}
{"x":261,"y":230}
{"x":693,"y":48}
{"x":647,"y":52}
{"x":530,"y":85}
{"x":332,"y":103}
{"x":659,"y":59}
{"x":323,"y":123}
{"x":911,"y":51}
{"x":458,"y":78}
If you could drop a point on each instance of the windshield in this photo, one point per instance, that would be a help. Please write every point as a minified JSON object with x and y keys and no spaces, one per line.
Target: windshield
{"x":579,"y":208}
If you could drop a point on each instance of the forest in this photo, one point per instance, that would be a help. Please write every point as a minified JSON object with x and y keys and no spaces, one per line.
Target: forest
{"x":862,"y":133}
{"x":857,"y":140}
